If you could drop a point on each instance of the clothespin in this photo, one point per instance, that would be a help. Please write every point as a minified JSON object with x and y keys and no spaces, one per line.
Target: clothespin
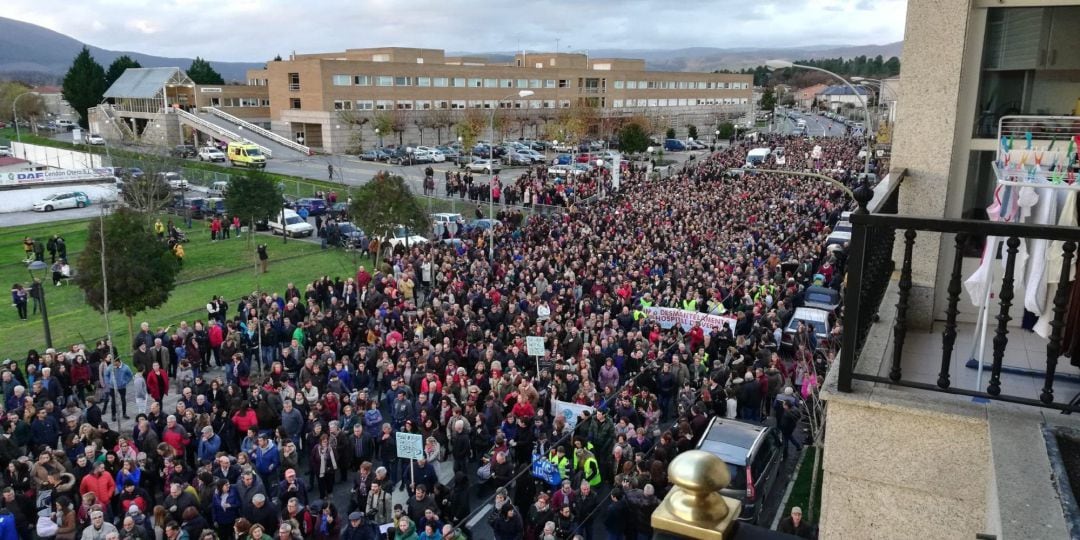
{"x":1038,"y":157}
{"x":1071,"y":177}
{"x":1056,"y":178}
{"x":1028,"y":137}
{"x":1023,"y":159}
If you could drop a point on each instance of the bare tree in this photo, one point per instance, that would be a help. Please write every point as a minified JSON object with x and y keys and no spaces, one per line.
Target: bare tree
{"x":440,"y":119}
{"x":356,"y":121}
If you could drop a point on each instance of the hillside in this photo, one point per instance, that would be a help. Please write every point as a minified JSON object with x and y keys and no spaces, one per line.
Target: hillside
{"x":28,"y":51}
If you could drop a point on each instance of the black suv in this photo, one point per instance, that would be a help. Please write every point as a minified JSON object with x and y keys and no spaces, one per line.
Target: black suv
{"x":183,"y":151}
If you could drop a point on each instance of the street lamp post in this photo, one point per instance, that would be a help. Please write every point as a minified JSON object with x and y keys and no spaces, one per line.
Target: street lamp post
{"x":716,"y":139}
{"x":379,"y":135}
{"x":783,"y":64}
{"x":600,"y":177}
{"x":33,"y":267}
{"x":15,"y":117}
{"x":491,"y":169}
{"x":104,"y":274}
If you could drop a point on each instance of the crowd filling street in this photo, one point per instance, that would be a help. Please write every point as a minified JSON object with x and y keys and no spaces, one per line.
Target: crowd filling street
{"x":277,"y":416}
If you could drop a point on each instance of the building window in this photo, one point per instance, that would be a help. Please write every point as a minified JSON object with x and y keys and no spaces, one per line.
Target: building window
{"x":423,"y":81}
{"x":442,"y":104}
{"x":549,"y":83}
{"x":616,"y":103}
{"x":380,"y":58}
{"x":652,"y":85}
{"x":491,"y":83}
{"x":423,"y":105}
{"x":384,"y":105}
{"x":294,"y":81}
{"x":619,"y":85}
{"x":522,"y":83}
{"x":630,"y":85}
{"x":362,"y":80}
{"x":506,"y":83}
{"x":342,"y":80}
{"x":342,"y":105}
{"x":404,"y":105}
{"x":365,"y":105}
{"x":264,"y":103}
{"x":564,"y":83}
{"x":535,"y":103}
{"x":294,"y":103}
{"x":457,"y":104}
{"x":536,"y":83}
{"x":475,"y":83}
{"x":662,"y":103}
{"x":440,"y":82}
{"x":384,"y":80}
{"x":490,"y":104}
{"x":402,"y":81}
{"x":458,"y":82}
{"x":564,"y":103}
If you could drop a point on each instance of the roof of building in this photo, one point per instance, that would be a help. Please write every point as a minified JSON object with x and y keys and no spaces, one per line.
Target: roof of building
{"x":810,"y":91}
{"x":146,"y":83}
{"x":9,"y":160}
{"x":47,"y":89}
{"x":843,"y":90}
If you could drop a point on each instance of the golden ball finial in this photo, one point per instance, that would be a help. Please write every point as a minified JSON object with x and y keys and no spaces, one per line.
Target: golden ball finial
{"x":699,"y":472}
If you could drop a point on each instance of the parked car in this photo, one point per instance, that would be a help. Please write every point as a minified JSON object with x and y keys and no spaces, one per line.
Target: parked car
{"x":822,"y":298}
{"x":695,"y":145}
{"x":183,"y":151}
{"x":486,"y":166}
{"x":59,"y":201}
{"x":430,"y":154}
{"x":314,"y":206}
{"x":450,"y":153}
{"x":399,"y":156}
{"x":174,"y":180}
{"x":95,"y":140}
{"x":674,"y":145}
{"x":753,"y":455}
{"x":209,"y":153}
{"x":5,"y":151}
{"x":446,"y":220}
{"x":65,"y":124}
{"x":516,"y":158}
{"x":351,"y":235}
{"x":403,"y":236}
{"x":288,"y":222}
{"x":371,"y":155}
{"x":482,"y":224}
{"x":817,"y":319}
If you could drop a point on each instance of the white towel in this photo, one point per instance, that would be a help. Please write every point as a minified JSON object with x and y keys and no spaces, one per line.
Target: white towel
{"x":1035,"y":281}
{"x":1054,"y":261}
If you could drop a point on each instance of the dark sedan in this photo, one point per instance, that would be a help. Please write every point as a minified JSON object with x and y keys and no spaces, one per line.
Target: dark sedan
{"x":314,"y":206}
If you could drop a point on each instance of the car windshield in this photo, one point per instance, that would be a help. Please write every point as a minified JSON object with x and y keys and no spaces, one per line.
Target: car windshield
{"x":253,"y":152}
{"x":346,"y":227}
{"x":820,"y":298}
{"x":293,"y":220}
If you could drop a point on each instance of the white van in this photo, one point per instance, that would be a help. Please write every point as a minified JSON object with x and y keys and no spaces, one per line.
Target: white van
{"x":294,"y":225}
{"x":756,"y":157}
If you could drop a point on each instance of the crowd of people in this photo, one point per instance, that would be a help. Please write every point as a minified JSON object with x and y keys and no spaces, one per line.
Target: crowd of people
{"x":280,"y":403}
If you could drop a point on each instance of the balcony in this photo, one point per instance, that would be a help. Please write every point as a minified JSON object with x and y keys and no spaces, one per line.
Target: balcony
{"x":919,"y":437}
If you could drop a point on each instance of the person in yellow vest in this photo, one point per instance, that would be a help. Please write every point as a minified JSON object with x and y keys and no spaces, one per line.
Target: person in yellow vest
{"x":557,"y":456}
{"x":590,"y":469}
{"x":579,"y":445}
{"x":159,"y":229}
{"x":690,"y":304}
{"x":646,"y":301}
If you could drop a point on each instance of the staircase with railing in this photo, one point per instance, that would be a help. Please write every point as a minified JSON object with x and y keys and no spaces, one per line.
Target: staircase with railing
{"x":203,"y":125}
{"x":125,"y":130}
{"x":284,"y":141}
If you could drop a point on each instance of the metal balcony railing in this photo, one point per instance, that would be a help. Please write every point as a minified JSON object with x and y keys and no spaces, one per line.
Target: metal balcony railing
{"x":870,"y":269}
{"x":284,"y":141}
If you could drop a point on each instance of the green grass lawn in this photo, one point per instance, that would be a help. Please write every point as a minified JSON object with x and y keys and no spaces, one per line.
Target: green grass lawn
{"x":800,"y":491}
{"x":225,"y":268}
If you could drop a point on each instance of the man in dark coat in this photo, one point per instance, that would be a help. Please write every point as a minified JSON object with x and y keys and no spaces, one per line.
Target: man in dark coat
{"x":794,"y":525}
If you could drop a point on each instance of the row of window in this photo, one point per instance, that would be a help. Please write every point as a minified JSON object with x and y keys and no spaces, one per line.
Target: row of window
{"x":468,"y":82}
{"x":426,"y":105}
{"x":239,"y":102}
{"x":618,"y":103}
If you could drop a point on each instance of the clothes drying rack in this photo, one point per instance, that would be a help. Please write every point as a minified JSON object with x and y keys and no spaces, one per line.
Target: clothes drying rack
{"x":1032,"y":151}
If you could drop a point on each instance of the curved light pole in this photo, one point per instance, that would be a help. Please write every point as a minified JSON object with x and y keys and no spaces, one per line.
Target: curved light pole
{"x":15,"y":117}
{"x":491,"y":168}
{"x":784,"y":64}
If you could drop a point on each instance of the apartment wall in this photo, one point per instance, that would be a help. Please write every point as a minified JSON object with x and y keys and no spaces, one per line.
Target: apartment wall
{"x":926,"y":129}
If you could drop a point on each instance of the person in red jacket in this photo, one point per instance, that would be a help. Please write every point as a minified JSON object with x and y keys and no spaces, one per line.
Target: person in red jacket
{"x":244,"y":419}
{"x":217,"y":337}
{"x":157,"y":382}
{"x":100,"y":483}
{"x":175,"y":436}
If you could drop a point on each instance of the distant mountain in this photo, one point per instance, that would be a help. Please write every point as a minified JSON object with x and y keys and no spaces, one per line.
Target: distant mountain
{"x":39,"y":55}
{"x":712,"y":58}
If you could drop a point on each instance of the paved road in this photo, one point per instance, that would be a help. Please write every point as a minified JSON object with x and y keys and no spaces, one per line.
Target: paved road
{"x":816,"y":125}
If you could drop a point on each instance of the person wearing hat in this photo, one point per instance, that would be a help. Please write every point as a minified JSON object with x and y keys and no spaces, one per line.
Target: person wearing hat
{"x":359,"y":528}
{"x":132,"y":495}
{"x":794,"y":525}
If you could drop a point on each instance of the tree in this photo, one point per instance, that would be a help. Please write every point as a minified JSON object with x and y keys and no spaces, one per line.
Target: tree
{"x":633,"y":138}
{"x":691,"y":131}
{"x":84,"y":84}
{"x":440,"y":118}
{"x":29,"y":106}
{"x":141,"y":269}
{"x":670,"y":133}
{"x":253,"y":196}
{"x":356,"y":121}
{"x":117,"y":68}
{"x":277,"y":58}
{"x":726,"y":129}
{"x":385,"y":203}
{"x":768,"y":99}
{"x":201,"y":72}
{"x":470,"y":126}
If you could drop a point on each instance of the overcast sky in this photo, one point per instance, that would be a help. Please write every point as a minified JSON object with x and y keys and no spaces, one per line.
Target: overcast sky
{"x":256,"y":30}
